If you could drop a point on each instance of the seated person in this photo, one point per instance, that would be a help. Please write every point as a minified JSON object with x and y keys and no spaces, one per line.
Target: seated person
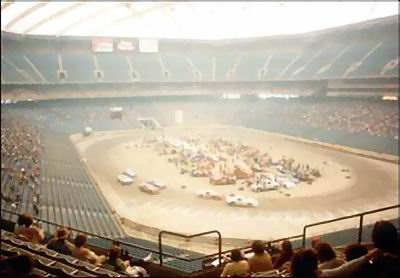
{"x":114,"y":262}
{"x":261,"y":260}
{"x":327,"y":256}
{"x":355,"y":251}
{"x":238,"y":266}
{"x":20,"y":224}
{"x":59,"y":242}
{"x":29,"y":231}
{"x":85,"y":254}
{"x":136,"y":268}
{"x":283,"y":261}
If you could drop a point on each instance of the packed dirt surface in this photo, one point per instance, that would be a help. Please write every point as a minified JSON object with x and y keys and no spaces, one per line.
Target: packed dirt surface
{"x":372,"y":184}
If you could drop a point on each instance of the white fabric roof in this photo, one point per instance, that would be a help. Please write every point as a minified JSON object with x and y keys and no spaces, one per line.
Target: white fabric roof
{"x":185,"y":20}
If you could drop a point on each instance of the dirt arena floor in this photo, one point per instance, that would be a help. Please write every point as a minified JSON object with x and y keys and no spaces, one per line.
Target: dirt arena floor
{"x":373,"y":184}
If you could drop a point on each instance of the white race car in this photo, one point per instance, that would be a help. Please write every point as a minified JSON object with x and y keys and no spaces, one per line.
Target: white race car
{"x":239,"y":201}
{"x":149,"y":188}
{"x":157,"y":183}
{"x":264,"y":185}
{"x":286,"y":182}
{"x":209,"y":194}
{"x":130,"y":173}
{"x":124,"y":180}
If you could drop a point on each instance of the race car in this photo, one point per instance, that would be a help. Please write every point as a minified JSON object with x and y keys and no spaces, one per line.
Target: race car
{"x":222,"y":180}
{"x":240,"y":201}
{"x":286,"y":182}
{"x":209,"y":194}
{"x":149,"y":188}
{"x":130,"y":173}
{"x":157,"y":183}
{"x":264,"y":185}
{"x":124,"y":180}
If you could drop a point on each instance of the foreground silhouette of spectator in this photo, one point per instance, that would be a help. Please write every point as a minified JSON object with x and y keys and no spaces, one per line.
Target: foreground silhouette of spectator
{"x":238,"y":267}
{"x":16,"y":266}
{"x":381,"y":262}
{"x":304,"y":264}
{"x":59,"y":243}
{"x":261,"y":260}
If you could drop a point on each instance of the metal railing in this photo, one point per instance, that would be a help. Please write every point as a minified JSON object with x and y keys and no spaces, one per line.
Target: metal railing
{"x":361,"y":222}
{"x":160,"y":253}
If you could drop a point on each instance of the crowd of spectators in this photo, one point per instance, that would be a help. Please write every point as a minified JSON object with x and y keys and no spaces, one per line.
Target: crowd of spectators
{"x":377,"y":118}
{"x":322,"y":260}
{"x":20,"y":161}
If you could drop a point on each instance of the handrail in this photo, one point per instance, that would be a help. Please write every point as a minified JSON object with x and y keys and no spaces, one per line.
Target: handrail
{"x":361,"y":215}
{"x":186,"y":237}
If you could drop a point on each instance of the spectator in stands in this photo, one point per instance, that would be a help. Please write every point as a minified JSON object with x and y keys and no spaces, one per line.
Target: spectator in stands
{"x":304,"y":264}
{"x":29,"y":231}
{"x":261,"y":260}
{"x":327,"y":256}
{"x":286,"y":255}
{"x":20,"y":224}
{"x":84,"y":254}
{"x":238,"y":267}
{"x":314,"y":242}
{"x":387,"y":262}
{"x":59,"y":242}
{"x":16,"y":266}
{"x":136,"y":268}
{"x":114,"y":262}
{"x":383,"y":261}
{"x":355,"y":251}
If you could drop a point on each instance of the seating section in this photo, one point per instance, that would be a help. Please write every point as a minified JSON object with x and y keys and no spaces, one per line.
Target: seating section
{"x":327,"y":60}
{"x":49,"y":263}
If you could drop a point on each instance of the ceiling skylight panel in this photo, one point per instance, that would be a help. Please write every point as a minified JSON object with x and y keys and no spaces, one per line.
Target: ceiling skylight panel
{"x":65,"y":16}
{"x":85,"y":23}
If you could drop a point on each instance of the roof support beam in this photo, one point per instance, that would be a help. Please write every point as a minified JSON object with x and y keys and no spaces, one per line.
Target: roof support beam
{"x":6,"y":5}
{"x":23,"y":15}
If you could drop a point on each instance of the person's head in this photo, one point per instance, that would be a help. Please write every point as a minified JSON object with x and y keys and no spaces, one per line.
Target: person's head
{"x":21,"y":219}
{"x":384,"y":236}
{"x":315,"y":241}
{"x":236,"y":255}
{"x":325,"y":252}
{"x":354,"y":251}
{"x":304,"y":264}
{"x":20,"y":264}
{"x":28,"y":220}
{"x":258,"y":247}
{"x":286,"y":247}
{"x":80,"y":240}
{"x":114,"y":253}
{"x":62,"y":233}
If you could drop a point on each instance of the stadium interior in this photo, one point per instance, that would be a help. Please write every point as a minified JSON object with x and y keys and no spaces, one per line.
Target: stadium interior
{"x":113,"y":138}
